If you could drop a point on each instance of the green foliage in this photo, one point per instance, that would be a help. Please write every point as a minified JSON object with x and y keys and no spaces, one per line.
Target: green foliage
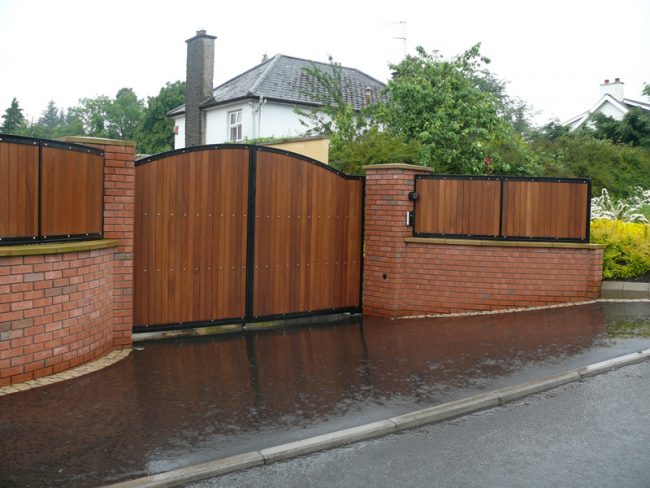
{"x":619,"y":168}
{"x":51,"y":124}
{"x":122,"y":117}
{"x":453,"y":108}
{"x":627,"y":247}
{"x":14,"y":121}
{"x":124,"y":114}
{"x":156,"y":132}
{"x":355,"y":136}
{"x":633,"y":129}
{"x":374,"y":147}
{"x":116,"y":118}
{"x":453,"y":115}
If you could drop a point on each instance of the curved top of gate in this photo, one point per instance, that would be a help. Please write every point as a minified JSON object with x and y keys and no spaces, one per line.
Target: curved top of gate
{"x":36,"y":141}
{"x":255,"y":147}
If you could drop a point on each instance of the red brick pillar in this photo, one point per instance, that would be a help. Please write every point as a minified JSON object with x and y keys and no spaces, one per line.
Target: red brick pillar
{"x":119,"y":223}
{"x":387,"y":202}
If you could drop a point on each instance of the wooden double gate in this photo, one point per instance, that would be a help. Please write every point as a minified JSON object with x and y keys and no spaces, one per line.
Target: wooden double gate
{"x":238,"y":233}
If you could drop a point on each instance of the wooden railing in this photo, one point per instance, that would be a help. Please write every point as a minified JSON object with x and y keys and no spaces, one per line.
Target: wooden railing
{"x":49,"y":190}
{"x":502,"y":207}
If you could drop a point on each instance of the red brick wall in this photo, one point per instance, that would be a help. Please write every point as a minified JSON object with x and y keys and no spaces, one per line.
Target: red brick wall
{"x":61,"y":310}
{"x":426,"y":278}
{"x":385,"y":230}
{"x":119,"y":221}
{"x":56,"y":312}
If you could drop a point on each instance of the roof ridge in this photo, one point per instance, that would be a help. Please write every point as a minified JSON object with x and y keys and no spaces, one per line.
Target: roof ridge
{"x":329,"y":64}
{"x":258,"y":82}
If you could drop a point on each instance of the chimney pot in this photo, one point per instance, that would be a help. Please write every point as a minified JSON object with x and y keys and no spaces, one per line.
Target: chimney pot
{"x":607,"y":82}
{"x":200,"y":32}
{"x":617,"y":80}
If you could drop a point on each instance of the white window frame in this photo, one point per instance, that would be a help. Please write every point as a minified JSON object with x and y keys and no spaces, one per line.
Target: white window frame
{"x":235,"y":126}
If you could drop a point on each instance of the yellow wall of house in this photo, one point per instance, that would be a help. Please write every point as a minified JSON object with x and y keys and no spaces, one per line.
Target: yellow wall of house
{"x":317,"y":149}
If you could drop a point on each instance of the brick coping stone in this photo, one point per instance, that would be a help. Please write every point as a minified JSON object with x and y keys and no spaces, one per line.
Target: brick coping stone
{"x":56,"y":247}
{"x":497,"y":243}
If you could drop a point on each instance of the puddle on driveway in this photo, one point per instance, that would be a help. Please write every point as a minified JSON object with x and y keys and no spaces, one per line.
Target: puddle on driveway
{"x":183,"y":401}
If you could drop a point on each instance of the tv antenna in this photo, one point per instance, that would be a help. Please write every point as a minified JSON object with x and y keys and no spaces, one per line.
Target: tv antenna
{"x":403,"y":36}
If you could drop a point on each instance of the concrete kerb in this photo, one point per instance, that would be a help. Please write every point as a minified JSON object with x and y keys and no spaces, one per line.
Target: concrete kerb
{"x":375,"y":429}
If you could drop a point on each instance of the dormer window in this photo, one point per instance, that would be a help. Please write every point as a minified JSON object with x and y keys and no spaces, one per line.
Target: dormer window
{"x":234,"y":126}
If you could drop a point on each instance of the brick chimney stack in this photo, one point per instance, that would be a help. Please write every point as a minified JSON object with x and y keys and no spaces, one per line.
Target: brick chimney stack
{"x":198,"y":87}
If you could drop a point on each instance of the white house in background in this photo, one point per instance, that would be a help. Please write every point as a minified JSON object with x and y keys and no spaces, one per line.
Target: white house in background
{"x":612,"y":103}
{"x":260,"y":102}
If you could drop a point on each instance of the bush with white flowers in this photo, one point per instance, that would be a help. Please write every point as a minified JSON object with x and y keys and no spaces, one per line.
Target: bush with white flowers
{"x":624,"y":209}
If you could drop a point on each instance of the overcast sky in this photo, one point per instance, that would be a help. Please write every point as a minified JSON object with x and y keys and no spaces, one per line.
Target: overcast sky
{"x":553,"y":53}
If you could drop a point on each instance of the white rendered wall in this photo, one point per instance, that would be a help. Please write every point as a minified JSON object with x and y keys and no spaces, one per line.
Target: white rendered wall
{"x":280,"y":120}
{"x":179,"y":138}
{"x":277,"y":120}
{"x":217,"y":130}
{"x":610,"y":110}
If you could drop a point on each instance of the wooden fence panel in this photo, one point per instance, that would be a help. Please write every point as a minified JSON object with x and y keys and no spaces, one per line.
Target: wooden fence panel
{"x":458,"y":206}
{"x":18,"y":190}
{"x":71,"y":192}
{"x":308,"y":233}
{"x":502,"y":208}
{"x":545,"y":209}
{"x":190,"y":246}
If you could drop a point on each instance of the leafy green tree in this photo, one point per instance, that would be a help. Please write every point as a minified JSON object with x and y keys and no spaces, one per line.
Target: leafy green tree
{"x":123,"y":115}
{"x":93,"y":115}
{"x":14,"y":121}
{"x":74,"y":122}
{"x":156,"y":130}
{"x":356,"y":138}
{"x":633,"y":129}
{"x":445,"y":105}
{"x":51,"y":124}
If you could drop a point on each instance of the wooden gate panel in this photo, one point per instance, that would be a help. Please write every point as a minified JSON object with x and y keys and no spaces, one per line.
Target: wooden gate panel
{"x":18,"y":190}
{"x":307,"y":237}
{"x":191,"y":237}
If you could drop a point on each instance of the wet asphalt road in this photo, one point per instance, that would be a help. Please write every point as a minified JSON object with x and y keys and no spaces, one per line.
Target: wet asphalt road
{"x":593,"y":433}
{"x":181,"y":402}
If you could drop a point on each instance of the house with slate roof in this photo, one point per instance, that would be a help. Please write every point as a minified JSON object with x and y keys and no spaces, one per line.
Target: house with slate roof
{"x":612,"y":103}
{"x":260,"y":102}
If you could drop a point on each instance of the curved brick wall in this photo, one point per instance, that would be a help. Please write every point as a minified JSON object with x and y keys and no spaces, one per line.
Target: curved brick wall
{"x":73,"y":301}
{"x":56,"y":312}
